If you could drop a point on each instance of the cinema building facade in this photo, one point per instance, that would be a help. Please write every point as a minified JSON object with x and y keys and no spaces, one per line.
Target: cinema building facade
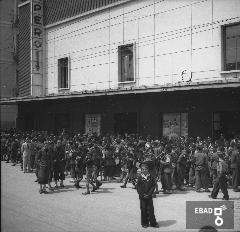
{"x":114,"y":66}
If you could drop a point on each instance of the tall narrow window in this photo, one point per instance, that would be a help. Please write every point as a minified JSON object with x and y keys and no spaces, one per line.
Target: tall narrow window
{"x":231,"y":41}
{"x":126,"y":63}
{"x":63,"y":76}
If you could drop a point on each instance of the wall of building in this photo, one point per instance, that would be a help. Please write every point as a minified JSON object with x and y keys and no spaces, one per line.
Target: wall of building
{"x":7,"y":61}
{"x":170,"y":36}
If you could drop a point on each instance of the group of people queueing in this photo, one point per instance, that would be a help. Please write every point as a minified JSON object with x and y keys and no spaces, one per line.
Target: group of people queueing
{"x":177,"y":163}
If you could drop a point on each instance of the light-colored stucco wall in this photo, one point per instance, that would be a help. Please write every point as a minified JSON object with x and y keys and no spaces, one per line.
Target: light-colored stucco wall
{"x":170,"y":36}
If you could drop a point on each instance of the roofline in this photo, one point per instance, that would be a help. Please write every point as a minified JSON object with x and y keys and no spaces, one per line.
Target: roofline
{"x":87,"y":13}
{"x":232,"y":83}
{"x":23,"y":3}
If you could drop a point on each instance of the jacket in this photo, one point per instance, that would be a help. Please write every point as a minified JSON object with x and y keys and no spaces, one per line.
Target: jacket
{"x":145,"y":185}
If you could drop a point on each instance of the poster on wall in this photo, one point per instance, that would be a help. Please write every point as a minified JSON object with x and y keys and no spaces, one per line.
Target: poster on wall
{"x":92,"y":123}
{"x":171,"y":125}
{"x":175,"y":124}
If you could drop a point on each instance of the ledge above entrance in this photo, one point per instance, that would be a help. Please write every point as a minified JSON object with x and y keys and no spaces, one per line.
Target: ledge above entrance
{"x":227,"y":83}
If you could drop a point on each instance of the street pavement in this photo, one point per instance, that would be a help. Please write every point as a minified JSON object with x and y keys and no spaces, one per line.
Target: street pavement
{"x":111,"y":208}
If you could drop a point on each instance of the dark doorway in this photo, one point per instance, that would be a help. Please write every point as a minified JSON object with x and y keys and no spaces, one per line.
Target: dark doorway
{"x":29,"y":121}
{"x":62,"y":121}
{"x":125,"y":123}
{"x":226,"y":123}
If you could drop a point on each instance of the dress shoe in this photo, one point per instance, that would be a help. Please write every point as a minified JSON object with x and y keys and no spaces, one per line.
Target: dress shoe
{"x":211,"y":197}
{"x":155,"y":226}
{"x":86,"y":193}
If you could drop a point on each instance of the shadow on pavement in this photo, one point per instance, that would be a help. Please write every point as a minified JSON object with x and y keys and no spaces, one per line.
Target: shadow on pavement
{"x":60,"y":191}
{"x":166,"y":223}
{"x":104,"y":190}
{"x":174,"y":193}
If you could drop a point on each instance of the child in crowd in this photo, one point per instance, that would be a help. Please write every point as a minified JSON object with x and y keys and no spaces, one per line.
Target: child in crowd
{"x":145,"y":186}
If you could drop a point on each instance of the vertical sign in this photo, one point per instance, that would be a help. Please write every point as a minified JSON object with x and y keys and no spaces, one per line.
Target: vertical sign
{"x":92,"y":123}
{"x":36,"y":47}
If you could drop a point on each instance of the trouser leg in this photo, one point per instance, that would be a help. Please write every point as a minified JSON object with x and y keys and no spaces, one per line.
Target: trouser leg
{"x":235,"y":178}
{"x":150,"y":210}
{"x":24,"y":163}
{"x":144,"y":215}
{"x":216,"y":188}
{"x":198,"y":183}
{"x":223,"y":186}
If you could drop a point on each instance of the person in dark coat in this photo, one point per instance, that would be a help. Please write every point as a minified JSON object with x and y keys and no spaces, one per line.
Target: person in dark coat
{"x":166,"y":174}
{"x":44,"y":162}
{"x":213,"y":168}
{"x":235,"y":166}
{"x":181,"y":167}
{"x":221,"y":180}
{"x":145,"y":186}
{"x":15,"y":146}
{"x":79,"y":170}
{"x":59,"y":164}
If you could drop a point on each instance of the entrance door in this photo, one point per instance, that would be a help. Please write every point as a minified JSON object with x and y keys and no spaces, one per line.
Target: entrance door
{"x":125,"y":123}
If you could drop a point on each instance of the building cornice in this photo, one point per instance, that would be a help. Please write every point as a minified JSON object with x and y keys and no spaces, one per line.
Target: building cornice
{"x":231,"y":83}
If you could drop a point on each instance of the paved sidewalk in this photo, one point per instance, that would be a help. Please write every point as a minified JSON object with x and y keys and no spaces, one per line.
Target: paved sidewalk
{"x":23,"y":209}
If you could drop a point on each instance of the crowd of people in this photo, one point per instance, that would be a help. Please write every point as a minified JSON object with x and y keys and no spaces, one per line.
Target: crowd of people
{"x":178,"y":163}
